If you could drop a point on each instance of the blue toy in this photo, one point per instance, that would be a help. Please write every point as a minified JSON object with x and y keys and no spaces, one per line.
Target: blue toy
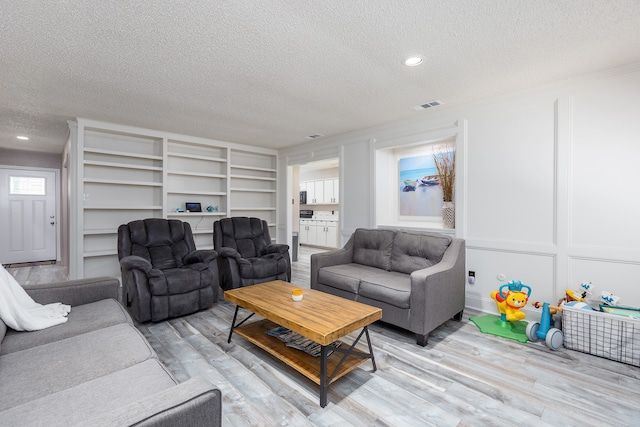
{"x":544,"y":330}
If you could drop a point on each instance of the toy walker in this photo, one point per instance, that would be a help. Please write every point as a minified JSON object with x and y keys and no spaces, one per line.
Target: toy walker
{"x":544,"y":330}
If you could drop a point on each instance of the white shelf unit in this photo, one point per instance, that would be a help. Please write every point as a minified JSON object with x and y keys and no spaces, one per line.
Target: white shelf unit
{"x":197,"y":172}
{"x":119,"y":174}
{"x":121,"y":181}
{"x":253,"y":183}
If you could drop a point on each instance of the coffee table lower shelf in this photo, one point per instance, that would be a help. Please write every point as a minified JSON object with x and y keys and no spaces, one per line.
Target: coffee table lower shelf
{"x":306,"y":364}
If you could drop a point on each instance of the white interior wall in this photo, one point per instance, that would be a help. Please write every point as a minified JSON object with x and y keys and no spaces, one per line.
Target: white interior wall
{"x":549,"y":178}
{"x":310,"y":175}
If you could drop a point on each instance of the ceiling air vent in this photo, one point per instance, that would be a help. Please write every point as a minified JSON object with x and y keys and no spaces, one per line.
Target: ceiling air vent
{"x":314,"y":136}
{"x":429,"y":104}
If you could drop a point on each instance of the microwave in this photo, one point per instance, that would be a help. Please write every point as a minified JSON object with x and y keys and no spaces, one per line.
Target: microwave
{"x":306,"y":213}
{"x":303,"y":197}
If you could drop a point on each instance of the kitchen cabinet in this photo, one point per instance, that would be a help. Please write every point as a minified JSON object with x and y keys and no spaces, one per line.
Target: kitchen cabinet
{"x":321,"y":192}
{"x":328,"y":234}
{"x":331,"y":191}
{"x":319,"y":233}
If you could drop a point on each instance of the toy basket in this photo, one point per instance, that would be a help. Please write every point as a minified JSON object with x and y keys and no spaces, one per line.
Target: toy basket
{"x":602,"y":334}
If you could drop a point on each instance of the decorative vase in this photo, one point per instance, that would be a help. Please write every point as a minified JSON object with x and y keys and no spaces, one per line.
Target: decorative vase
{"x":448,"y":215}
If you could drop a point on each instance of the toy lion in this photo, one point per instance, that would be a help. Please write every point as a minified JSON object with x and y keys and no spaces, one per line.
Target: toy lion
{"x":511,"y":305}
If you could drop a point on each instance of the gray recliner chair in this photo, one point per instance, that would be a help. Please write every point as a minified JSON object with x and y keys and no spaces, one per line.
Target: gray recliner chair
{"x":163,"y":275}
{"x":246,"y":254}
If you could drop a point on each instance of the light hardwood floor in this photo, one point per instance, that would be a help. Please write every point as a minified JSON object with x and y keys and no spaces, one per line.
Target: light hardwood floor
{"x":462,"y":378}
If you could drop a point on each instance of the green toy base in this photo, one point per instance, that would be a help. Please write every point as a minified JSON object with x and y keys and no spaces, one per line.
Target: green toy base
{"x":491,"y":324}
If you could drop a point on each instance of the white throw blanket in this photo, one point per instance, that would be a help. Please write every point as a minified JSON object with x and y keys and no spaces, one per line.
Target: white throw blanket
{"x":21,"y":313}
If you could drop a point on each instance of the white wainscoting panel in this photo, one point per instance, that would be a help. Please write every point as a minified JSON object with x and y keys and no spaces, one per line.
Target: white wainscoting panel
{"x":535,"y":270}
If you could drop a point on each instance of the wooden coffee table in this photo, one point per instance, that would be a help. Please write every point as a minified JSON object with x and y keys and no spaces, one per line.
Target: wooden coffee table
{"x":321,"y":317}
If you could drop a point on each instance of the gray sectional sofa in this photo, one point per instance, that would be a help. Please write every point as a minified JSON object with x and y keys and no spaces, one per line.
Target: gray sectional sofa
{"x":417,"y":278}
{"x":96,"y":369}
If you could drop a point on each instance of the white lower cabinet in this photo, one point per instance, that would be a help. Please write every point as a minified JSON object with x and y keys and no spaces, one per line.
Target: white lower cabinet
{"x":319,"y":233}
{"x":304,"y":232}
{"x":331,"y":234}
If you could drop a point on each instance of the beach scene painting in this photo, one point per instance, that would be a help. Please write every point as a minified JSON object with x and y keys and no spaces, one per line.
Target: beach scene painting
{"x":419,"y":189}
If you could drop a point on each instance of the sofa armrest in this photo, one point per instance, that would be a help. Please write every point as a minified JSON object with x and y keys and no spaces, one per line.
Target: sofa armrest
{"x":326,"y":259}
{"x":75,"y":292}
{"x":438,"y":292}
{"x":194,"y":402}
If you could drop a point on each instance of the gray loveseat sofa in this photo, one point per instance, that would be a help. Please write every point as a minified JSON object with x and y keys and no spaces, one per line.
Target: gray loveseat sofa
{"x":417,"y":278}
{"x":96,"y":369}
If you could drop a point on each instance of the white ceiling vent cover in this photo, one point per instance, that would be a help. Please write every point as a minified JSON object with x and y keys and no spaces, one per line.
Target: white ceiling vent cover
{"x":429,"y":104}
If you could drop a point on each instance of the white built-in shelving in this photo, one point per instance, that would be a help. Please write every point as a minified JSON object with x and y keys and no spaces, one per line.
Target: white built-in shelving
{"x":253,"y":178}
{"x":122,"y":173}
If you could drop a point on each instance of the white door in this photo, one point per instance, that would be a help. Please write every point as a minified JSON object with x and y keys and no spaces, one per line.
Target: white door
{"x":28,"y":209}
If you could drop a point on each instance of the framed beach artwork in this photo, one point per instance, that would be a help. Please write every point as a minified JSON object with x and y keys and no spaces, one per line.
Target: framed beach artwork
{"x":419,"y":189}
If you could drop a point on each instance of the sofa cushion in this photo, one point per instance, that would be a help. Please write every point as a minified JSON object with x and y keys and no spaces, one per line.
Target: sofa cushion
{"x":346,"y":276}
{"x":415,"y":251}
{"x":82,"y":318}
{"x":391,"y":287}
{"x":373,"y":248}
{"x":49,"y":368}
{"x":93,"y":398}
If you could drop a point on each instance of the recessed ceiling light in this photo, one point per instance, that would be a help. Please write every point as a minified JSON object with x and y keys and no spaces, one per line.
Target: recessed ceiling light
{"x":413,"y":60}
{"x":24,"y":138}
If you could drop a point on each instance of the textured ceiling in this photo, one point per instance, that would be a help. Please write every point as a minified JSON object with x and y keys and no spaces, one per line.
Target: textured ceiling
{"x":270,"y":72}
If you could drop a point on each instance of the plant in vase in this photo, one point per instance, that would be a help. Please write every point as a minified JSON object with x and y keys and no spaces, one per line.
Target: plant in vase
{"x":445,"y":160}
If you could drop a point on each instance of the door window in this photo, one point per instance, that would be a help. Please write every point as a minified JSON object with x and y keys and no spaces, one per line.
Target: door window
{"x":27,"y":186}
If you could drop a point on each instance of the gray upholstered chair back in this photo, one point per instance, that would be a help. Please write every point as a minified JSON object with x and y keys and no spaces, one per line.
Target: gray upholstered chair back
{"x":163,"y":243}
{"x":248,"y":236}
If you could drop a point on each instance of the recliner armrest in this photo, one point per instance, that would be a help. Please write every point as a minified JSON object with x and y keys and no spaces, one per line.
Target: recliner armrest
{"x":275,"y":248}
{"x":200,"y":255}
{"x":229,"y":253}
{"x":232,"y":253}
{"x":134,"y":262}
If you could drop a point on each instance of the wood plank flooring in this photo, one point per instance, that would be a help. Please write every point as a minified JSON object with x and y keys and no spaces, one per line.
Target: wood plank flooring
{"x":462,"y":378}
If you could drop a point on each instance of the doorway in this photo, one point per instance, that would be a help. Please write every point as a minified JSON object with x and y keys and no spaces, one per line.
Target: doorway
{"x":28,"y":206}
{"x":317,"y":219}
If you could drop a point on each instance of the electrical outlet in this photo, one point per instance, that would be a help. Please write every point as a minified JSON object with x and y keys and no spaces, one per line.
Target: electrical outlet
{"x":471,"y":278}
